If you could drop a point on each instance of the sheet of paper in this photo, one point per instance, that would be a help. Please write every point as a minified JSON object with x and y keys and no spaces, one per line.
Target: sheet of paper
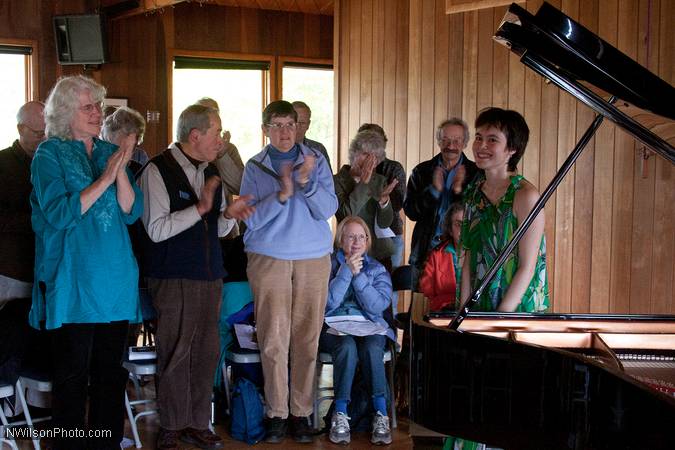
{"x":353,"y":325}
{"x":383,"y":232}
{"x":246,"y":336}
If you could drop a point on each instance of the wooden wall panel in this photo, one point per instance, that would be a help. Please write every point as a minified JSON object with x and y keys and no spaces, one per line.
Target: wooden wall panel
{"x":32,"y":20}
{"x":604,"y":222}
{"x":663,"y":256}
{"x":583,"y":193}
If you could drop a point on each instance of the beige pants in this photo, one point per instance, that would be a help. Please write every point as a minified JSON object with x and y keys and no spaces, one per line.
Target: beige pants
{"x":290,"y":300}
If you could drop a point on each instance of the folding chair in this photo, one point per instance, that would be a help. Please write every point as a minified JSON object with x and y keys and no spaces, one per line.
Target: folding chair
{"x":325,"y":358}
{"x":137,"y":369}
{"x":239,"y":356}
{"x":38,"y":382}
{"x":6,"y":390}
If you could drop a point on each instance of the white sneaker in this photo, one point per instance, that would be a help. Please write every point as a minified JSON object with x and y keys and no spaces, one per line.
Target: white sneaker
{"x":339,"y":429}
{"x":381,"y":431}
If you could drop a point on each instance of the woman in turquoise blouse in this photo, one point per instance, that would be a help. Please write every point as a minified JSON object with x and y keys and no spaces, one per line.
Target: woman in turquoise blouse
{"x":86,"y":277}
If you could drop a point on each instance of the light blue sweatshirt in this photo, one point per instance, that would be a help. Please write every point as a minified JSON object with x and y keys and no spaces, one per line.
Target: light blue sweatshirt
{"x":297,"y":229}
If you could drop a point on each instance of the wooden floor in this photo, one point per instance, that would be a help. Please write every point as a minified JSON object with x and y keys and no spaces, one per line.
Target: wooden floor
{"x":359,"y":440}
{"x":148,"y":427}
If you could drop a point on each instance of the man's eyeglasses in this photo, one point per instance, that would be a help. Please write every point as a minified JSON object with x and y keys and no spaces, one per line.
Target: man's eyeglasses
{"x":361,"y":238}
{"x":281,"y":126}
{"x":457,"y":142}
{"x":91,"y":107}
{"x":37,"y":133}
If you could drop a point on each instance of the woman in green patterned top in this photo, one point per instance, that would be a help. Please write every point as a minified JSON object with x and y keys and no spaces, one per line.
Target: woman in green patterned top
{"x":496,"y":203}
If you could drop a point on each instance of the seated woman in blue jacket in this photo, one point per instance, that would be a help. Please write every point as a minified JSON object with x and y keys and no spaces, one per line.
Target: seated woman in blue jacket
{"x":359,"y":291}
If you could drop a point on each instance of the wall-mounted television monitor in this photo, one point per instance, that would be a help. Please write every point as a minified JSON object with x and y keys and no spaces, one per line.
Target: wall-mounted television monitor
{"x":80,"y":39}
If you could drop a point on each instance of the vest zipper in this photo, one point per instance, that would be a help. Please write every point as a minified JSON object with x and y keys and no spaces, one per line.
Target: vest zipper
{"x":208,"y":248}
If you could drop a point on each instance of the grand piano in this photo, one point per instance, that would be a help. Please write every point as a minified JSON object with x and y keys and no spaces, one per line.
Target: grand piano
{"x":547,"y":381}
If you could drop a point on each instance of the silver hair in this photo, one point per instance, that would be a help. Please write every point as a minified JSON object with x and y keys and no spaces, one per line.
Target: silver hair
{"x":301,"y":104}
{"x":63,"y":101}
{"x":123,"y":122}
{"x":208,"y":101}
{"x":194,"y":117}
{"x":454,"y":121}
{"x":367,"y":141}
{"x":23,"y":114}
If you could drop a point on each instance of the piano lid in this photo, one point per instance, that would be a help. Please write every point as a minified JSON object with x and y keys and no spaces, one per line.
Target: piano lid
{"x":578,"y":61}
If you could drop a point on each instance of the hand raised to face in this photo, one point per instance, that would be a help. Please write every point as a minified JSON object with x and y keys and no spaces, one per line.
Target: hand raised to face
{"x":355,"y":263}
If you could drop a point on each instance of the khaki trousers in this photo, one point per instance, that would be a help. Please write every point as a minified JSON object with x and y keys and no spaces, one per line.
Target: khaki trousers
{"x":290,"y":301}
{"x":188,"y":347}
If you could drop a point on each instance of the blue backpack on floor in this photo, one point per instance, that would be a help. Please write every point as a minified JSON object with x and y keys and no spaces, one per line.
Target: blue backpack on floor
{"x":247,"y":412}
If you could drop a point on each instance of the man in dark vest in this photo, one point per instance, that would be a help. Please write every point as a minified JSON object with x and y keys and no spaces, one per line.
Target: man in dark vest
{"x":185,"y":214}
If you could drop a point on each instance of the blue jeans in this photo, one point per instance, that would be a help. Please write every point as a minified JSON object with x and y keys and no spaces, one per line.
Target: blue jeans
{"x":396,"y":260}
{"x":347,"y":352}
{"x":397,"y":257}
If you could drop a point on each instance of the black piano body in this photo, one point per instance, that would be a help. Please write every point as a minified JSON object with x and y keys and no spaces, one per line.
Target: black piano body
{"x":546,"y":381}
{"x":519,"y":381}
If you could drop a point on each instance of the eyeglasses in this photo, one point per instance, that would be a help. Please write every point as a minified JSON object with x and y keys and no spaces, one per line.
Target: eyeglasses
{"x":303,"y":124}
{"x":91,"y":107}
{"x":361,"y":238}
{"x":37,"y":133}
{"x":279,"y":126}
{"x":457,"y":142}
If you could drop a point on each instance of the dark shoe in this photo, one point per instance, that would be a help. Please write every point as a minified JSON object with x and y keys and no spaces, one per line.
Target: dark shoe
{"x":301,"y":430}
{"x":202,"y":438}
{"x":275,"y":430}
{"x":167,"y":439}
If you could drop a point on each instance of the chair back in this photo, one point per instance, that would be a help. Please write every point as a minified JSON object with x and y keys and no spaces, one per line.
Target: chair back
{"x":401,"y":278}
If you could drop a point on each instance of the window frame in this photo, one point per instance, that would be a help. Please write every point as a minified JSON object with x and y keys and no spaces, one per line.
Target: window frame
{"x":268,"y":87}
{"x":31,"y":64}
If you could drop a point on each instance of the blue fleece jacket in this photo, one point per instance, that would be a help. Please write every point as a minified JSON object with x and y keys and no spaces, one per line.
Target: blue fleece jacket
{"x":297,"y":229}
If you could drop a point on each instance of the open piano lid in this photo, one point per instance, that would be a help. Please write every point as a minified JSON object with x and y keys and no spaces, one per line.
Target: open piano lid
{"x":572,"y":57}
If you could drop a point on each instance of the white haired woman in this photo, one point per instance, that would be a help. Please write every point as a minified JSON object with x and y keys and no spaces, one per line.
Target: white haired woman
{"x":86,"y":277}
{"x":124,"y":122}
{"x":364,"y":193}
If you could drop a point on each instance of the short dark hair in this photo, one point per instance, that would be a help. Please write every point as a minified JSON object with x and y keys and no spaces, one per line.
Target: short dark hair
{"x":513,"y":125}
{"x":373,"y":127}
{"x":279,"y":108}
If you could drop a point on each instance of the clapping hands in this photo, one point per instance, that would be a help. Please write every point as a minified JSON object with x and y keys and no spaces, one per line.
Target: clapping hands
{"x":384,"y":195}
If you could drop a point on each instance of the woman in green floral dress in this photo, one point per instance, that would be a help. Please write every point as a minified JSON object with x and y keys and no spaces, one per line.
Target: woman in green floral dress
{"x":496,"y":203}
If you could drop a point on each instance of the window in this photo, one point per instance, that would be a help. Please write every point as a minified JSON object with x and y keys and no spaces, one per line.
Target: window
{"x":241,"y":89}
{"x":16,"y":87}
{"x":313,"y":84}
